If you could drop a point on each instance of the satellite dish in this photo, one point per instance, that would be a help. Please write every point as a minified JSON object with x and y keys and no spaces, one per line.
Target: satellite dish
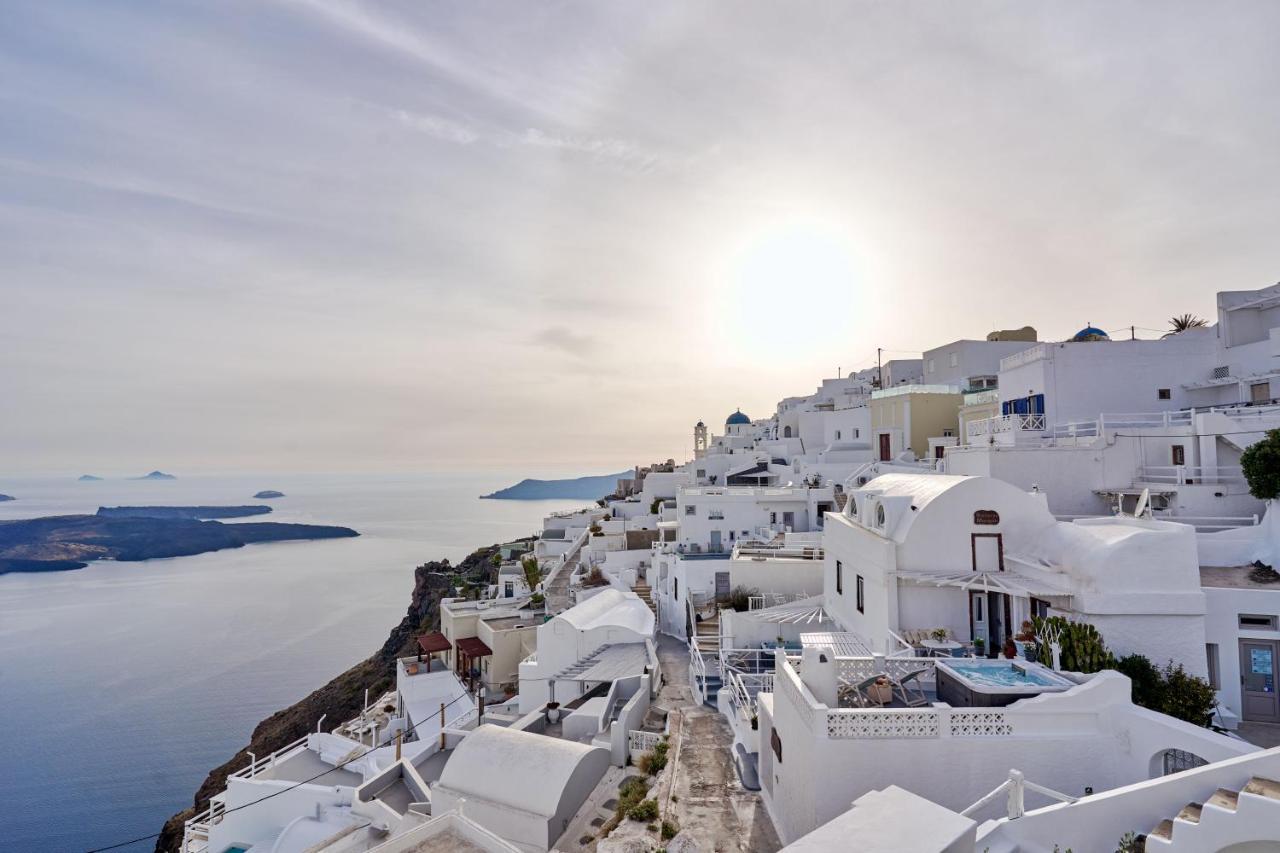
{"x":1144,"y":501}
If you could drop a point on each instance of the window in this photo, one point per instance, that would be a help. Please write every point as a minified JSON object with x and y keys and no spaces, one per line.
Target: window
{"x":773,"y":518}
{"x":955,"y":359}
{"x":929,"y":369}
{"x":837,"y":435}
{"x":690,"y":509}
{"x":861,"y":599}
{"x":1179,"y":455}
{"x":856,"y":433}
{"x":879,"y":515}
{"x":1211,"y":655}
{"x":702,"y":472}
{"x":839,"y":578}
{"x":1040,"y":607}
{"x":775,"y":741}
{"x":509,"y":589}
{"x":1163,"y":394}
{"x":675,"y":588}
{"x":1257,"y":622}
{"x":948,"y":432}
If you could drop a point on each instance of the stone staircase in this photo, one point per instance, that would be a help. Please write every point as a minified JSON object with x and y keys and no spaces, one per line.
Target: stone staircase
{"x":708,"y":634}
{"x":645,"y":592}
{"x":1251,"y":813}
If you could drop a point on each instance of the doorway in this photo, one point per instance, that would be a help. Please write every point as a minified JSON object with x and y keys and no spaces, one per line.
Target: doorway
{"x":884,"y":447}
{"x":1258,"y":700}
{"x":989,"y":621}
{"x":1260,"y":393}
{"x":716,"y":546}
{"x":987,"y":551}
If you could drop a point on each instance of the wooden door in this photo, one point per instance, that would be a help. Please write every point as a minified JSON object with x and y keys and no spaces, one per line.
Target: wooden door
{"x":1260,"y":392}
{"x":884,"y":447}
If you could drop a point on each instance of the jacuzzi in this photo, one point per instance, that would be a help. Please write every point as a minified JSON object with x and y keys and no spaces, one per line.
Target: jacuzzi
{"x":983,"y":683}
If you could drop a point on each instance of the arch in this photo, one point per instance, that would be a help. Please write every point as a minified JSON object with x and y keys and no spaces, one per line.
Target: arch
{"x":1169,"y":761}
{"x":786,"y":432}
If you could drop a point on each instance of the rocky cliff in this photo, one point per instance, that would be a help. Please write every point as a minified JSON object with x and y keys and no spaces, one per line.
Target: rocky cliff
{"x":342,"y":697}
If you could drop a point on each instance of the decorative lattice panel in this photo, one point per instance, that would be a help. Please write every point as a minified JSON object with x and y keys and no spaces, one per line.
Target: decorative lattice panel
{"x":980,"y":724}
{"x":882,"y":724}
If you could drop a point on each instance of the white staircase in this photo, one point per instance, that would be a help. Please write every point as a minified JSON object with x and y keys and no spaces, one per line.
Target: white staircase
{"x":1227,"y":817}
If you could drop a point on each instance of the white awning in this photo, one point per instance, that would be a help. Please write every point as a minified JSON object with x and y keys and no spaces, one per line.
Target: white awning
{"x":845,"y":644}
{"x":1008,"y":582}
{"x":608,"y":663}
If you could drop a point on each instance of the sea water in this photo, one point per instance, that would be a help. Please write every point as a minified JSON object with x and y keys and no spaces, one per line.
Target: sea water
{"x":123,"y":684}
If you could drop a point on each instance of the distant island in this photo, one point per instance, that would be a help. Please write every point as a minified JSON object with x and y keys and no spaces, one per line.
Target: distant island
{"x":89,"y":478}
{"x":197,"y":512}
{"x":267,"y":494}
{"x":4,"y":498}
{"x":157,"y":475}
{"x":61,"y":543}
{"x":585,"y":488}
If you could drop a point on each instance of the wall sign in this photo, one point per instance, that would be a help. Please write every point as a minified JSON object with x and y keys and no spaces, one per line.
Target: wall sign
{"x":986,"y":516}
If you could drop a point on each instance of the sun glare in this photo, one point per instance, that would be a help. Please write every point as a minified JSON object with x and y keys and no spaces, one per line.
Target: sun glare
{"x":775,"y":271}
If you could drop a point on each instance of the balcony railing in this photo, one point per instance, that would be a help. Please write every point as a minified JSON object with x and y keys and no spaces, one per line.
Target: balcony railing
{"x":1190,"y":475}
{"x":1027,"y":356}
{"x":1007,"y":425}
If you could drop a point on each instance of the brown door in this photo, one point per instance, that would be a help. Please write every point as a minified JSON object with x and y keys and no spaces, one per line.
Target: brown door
{"x":884,"y":447}
{"x":1258,"y":680}
{"x":1179,"y":455}
{"x":1260,"y":393}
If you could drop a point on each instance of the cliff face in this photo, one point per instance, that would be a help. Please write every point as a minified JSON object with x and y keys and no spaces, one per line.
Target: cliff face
{"x":343,"y":697}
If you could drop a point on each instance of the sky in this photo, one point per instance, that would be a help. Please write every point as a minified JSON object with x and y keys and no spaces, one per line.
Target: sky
{"x":330,"y":235}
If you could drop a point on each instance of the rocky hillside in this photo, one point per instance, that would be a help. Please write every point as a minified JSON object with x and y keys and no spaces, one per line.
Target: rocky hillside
{"x":342,"y":697}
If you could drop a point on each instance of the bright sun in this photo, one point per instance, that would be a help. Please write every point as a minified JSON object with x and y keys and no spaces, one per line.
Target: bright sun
{"x":779,"y":292}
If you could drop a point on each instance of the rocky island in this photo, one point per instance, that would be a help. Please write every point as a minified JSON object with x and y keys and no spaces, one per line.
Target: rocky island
{"x":156,"y":475}
{"x":579,"y":488}
{"x":203,"y":513}
{"x":4,"y":498}
{"x":89,"y":478}
{"x":64,"y":542}
{"x":267,"y":494}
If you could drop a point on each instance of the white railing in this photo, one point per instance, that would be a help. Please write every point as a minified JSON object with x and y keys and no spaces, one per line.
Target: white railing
{"x":1181,"y":475}
{"x":1212,"y":522}
{"x":1259,"y":411}
{"x":638,"y":741}
{"x":780,"y":553}
{"x":195,"y":831}
{"x":917,"y":723}
{"x":255,"y":767}
{"x":745,"y":687}
{"x":1026,"y":356}
{"x":1015,"y":787}
{"x":1002,"y":425}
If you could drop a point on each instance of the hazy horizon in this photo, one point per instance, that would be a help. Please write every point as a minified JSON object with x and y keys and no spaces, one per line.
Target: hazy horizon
{"x":328,"y":235}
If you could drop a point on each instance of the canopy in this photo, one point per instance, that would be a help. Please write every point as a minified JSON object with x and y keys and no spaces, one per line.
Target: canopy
{"x":1008,"y":582}
{"x":845,"y":644}
{"x":807,"y":611}
{"x":435,"y":642}
{"x":474,"y":647}
{"x":608,"y":663}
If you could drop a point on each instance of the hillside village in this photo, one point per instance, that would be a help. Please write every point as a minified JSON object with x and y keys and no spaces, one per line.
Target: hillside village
{"x":1013,"y":595}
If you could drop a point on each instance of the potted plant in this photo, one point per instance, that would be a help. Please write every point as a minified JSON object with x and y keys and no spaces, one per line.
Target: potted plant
{"x":979,"y":646}
{"x":881,"y":691}
{"x":1010,"y":650}
{"x":781,"y":644}
{"x":1026,"y":637}
{"x":755,"y":722}
{"x":939,"y":634}
{"x":553,"y":712}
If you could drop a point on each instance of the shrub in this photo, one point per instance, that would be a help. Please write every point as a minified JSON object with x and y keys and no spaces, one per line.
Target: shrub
{"x":651,"y":763}
{"x":1262,"y":573}
{"x":1261,"y":465}
{"x":669,"y":830}
{"x":594,"y":577}
{"x":532,"y":574}
{"x":644,"y":811}
{"x":1083,"y":649}
{"x":1170,"y":690}
{"x":740,"y":598}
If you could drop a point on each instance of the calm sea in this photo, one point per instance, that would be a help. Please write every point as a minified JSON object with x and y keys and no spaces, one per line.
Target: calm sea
{"x":123,"y":684}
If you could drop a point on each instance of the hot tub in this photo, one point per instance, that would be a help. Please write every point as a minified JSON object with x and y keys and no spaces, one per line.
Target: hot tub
{"x":981,"y":683}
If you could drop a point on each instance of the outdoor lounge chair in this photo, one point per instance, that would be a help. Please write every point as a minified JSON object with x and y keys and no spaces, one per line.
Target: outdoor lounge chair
{"x":909,"y":689}
{"x":858,"y":695}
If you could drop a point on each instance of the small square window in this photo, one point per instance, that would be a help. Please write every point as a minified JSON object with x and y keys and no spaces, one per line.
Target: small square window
{"x":690,"y":509}
{"x":1164,"y":394}
{"x":1257,"y":622}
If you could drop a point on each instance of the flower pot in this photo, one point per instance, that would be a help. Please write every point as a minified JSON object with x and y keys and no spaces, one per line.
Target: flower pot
{"x":553,"y":712}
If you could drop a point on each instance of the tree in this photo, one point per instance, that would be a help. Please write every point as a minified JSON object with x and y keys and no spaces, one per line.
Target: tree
{"x":532,"y":572}
{"x":1261,"y":464}
{"x":1184,"y":322}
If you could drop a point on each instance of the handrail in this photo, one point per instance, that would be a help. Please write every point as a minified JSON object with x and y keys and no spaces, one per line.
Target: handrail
{"x":1016,"y":786}
{"x":254,"y":767}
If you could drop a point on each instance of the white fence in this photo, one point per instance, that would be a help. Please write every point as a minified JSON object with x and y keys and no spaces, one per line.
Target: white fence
{"x":638,"y":741}
{"x":1184,"y":475}
{"x":905,"y":723}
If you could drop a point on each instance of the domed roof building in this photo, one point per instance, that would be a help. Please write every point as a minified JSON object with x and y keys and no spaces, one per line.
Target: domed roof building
{"x":1090,"y":333}
{"x":737,"y":419}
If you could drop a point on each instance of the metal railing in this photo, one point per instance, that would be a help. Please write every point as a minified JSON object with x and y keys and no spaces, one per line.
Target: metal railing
{"x":253,"y":768}
{"x":1002,"y":424}
{"x":1182,"y":475}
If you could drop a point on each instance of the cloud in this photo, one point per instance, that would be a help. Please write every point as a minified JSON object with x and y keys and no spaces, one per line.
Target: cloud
{"x":620,"y":152}
{"x":439,"y":127}
{"x":566,"y":341}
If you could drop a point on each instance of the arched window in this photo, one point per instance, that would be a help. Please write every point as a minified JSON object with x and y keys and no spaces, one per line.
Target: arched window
{"x":879,"y":515}
{"x":786,"y":432}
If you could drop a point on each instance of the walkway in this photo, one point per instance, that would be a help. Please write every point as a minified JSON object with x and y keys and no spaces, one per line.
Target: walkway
{"x":701,"y":788}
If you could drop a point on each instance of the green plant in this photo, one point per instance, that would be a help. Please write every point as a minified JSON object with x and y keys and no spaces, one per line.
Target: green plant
{"x":1129,"y":843}
{"x":595,"y":529}
{"x":1171,"y":690}
{"x":1083,"y":649}
{"x":595,"y":577}
{"x":651,"y":763}
{"x":1261,"y":465}
{"x":655,"y":506}
{"x":1184,"y":322}
{"x":497,"y":560}
{"x":644,"y":811}
{"x":537,"y":598}
{"x":669,"y":830}
{"x":532,"y":573}
{"x":939,"y":634}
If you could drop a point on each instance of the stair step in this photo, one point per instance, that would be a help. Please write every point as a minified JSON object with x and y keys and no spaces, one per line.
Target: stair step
{"x":1260,"y":787}
{"x":1224,"y":799}
{"x":1163,"y":830}
{"x":1190,"y":813}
